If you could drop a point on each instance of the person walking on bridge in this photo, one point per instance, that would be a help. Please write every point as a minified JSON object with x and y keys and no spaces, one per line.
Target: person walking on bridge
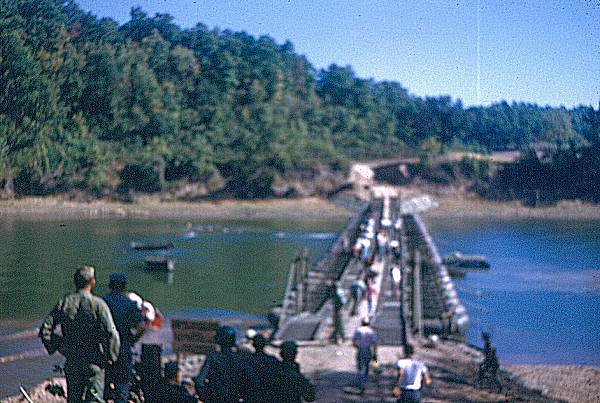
{"x":358,"y":289}
{"x":372,"y":292}
{"x":382,"y":244}
{"x":396,"y":277}
{"x":365,"y":341}
{"x":89,"y":339}
{"x":412,"y":375}
{"x":339,"y":300}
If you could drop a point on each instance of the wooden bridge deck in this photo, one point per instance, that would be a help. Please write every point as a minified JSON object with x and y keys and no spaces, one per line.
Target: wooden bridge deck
{"x":394,"y":318}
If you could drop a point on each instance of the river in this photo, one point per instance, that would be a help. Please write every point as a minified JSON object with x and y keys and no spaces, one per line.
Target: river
{"x":540,"y":299}
{"x":227,"y":268}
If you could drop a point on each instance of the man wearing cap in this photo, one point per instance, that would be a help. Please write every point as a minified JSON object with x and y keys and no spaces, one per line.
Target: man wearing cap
{"x":365,"y":341}
{"x":89,"y":338}
{"x":225,"y":376}
{"x":130,"y":325}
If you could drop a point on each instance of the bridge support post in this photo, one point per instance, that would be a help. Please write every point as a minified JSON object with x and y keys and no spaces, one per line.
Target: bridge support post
{"x":301,"y":281}
{"x":417,"y":295}
{"x":404,"y":281}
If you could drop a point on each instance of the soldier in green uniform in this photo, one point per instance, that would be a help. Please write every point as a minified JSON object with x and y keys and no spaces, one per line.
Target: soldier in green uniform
{"x":339,"y":300}
{"x":226,"y":376}
{"x":89,"y":338}
{"x":293,"y":386}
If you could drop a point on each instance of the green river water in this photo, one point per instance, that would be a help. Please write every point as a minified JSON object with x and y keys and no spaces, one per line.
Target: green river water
{"x":237,"y":264}
{"x":230,"y":268}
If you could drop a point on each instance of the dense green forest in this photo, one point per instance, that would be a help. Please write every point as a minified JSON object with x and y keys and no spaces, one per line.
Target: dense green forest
{"x":87,"y":105}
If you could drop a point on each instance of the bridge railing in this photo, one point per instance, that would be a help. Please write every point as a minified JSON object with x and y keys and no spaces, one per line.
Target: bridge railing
{"x":335,"y":260}
{"x":442,"y":311}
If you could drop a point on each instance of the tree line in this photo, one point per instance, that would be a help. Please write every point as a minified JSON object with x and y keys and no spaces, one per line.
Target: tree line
{"x":89,"y":105}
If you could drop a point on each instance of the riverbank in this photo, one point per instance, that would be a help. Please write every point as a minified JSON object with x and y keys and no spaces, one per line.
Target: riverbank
{"x":573,"y":383}
{"x":460,"y":205}
{"x":453,"y":367}
{"x":47,"y":207}
{"x":451,"y":204}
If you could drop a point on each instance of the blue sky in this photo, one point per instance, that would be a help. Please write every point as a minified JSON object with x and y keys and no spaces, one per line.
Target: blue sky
{"x":540,"y":51}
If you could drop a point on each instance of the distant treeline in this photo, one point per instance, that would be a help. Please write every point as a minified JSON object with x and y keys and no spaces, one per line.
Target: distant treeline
{"x":90,"y":105}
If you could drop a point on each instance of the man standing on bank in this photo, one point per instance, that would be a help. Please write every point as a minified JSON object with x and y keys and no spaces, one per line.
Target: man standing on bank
{"x":294,"y":387}
{"x":226,"y":376}
{"x":89,"y":339}
{"x":412,"y":374}
{"x":130,"y":322}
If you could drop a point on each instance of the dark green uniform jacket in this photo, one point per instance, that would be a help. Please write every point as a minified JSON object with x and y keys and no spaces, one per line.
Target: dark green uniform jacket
{"x":89,"y":335}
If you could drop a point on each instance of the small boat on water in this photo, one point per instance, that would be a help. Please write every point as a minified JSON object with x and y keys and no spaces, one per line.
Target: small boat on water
{"x":159,"y":263}
{"x":151,"y":245}
{"x":466,"y":261}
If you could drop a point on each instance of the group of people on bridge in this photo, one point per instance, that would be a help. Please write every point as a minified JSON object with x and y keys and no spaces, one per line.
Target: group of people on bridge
{"x":373,"y":245}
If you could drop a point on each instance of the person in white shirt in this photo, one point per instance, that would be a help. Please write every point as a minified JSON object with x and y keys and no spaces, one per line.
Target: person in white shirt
{"x":412,"y":374}
{"x":365,"y":341}
{"x":396,"y":279}
{"x":386,"y":222}
{"x":382,"y":243}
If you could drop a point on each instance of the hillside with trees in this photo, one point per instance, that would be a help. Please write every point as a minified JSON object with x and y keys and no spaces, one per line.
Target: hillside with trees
{"x":93,"y":107}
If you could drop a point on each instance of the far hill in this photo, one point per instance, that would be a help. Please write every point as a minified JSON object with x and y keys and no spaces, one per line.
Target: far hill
{"x":95,"y":108}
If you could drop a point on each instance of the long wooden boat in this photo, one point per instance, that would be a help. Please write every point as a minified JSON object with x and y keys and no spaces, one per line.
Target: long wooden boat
{"x":466,"y":261}
{"x":151,"y":245}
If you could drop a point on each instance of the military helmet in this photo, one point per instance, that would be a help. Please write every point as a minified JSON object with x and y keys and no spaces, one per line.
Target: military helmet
{"x":259,"y":342}
{"x":225,"y":336}
{"x":289,"y":349}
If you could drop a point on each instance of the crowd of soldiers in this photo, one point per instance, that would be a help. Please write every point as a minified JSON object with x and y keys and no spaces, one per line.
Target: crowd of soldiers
{"x":234,"y":375}
{"x":96,"y":336}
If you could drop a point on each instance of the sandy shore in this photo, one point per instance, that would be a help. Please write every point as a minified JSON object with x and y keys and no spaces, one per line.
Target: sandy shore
{"x":573,"y":383}
{"x":453,"y":205}
{"x":469,"y":206}
{"x":47,"y":207}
